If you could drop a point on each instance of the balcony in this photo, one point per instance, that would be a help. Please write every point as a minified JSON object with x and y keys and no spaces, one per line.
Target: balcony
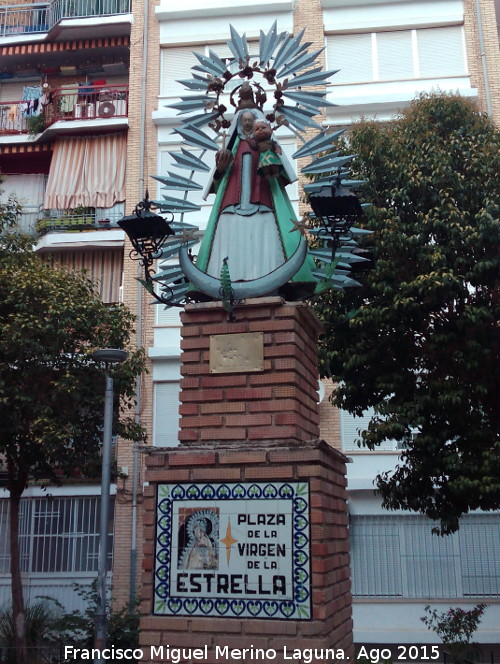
{"x":42,"y":17}
{"x":13,"y":117}
{"x":80,"y":103}
{"x":86,"y":102}
{"x":76,"y":220}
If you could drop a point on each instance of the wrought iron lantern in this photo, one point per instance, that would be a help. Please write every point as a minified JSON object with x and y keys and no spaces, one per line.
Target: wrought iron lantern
{"x":148,"y":233}
{"x":337,"y":209}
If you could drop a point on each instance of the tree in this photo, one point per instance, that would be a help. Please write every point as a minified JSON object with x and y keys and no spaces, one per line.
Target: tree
{"x":456,"y":628}
{"x":419,"y":342}
{"x":51,"y":392}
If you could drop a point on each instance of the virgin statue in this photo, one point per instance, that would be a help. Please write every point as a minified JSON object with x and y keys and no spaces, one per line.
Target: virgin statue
{"x":252,"y":218}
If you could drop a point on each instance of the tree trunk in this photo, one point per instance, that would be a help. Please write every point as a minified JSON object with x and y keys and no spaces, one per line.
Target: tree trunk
{"x":16,"y":584}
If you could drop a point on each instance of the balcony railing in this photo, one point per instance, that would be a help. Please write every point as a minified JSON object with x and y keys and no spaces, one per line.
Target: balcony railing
{"x":41,"y":17}
{"x":62,"y":221}
{"x":77,"y":102}
{"x":19,"y":19}
{"x":87,"y":102}
{"x":13,"y":117}
{"x":60,"y":9}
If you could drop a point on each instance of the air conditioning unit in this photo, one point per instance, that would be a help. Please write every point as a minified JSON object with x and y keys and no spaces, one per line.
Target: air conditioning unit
{"x":106,"y":109}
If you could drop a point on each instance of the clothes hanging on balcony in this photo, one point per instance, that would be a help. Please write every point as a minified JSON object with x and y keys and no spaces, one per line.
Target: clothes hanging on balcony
{"x":13,"y":112}
{"x":32,"y":95}
{"x":32,"y":92}
{"x":68,"y":98}
{"x":88,"y":171}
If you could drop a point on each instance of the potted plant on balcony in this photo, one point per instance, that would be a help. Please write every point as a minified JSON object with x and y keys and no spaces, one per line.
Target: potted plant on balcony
{"x":36,"y":124}
{"x":42,"y":226}
{"x":80,"y":218}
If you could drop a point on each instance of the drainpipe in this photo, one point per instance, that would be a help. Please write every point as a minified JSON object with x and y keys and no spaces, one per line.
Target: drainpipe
{"x":483,"y":58}
{"x":142,"y":150}
{"x":133,"y":551}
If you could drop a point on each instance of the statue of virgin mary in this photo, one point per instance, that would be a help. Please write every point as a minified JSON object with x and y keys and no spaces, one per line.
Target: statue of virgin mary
{"x":252,"y":218}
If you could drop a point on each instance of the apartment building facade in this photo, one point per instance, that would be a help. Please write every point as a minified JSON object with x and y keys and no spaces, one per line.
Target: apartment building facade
{"x":117,"y":69}
{"x":387,"y":53}
{"x":64,"y":88}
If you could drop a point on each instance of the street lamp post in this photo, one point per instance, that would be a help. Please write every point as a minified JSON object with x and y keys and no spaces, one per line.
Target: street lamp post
{"x":107,"y":356}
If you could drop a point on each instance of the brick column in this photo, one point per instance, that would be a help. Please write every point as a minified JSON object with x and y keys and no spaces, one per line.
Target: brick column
{"x":331,"y":625}
{"x":278,"y":403}
{"x":249,"y":450}
{"x":489,"y":20}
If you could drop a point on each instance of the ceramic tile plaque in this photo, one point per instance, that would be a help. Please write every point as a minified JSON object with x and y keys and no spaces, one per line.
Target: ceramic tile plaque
{"x":233,"y":550}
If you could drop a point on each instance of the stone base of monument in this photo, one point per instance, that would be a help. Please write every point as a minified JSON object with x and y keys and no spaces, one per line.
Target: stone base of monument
{"x":246,"y":525}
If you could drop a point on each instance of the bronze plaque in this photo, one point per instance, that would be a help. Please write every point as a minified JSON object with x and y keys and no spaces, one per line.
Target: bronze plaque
{"x":237,"y":353}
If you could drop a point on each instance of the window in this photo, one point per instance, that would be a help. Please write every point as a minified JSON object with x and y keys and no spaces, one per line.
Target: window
{"x":166,"y":414}
{"x":57,"y":535}
{"x":350,"y":431}
{"x":398,"y":556}
{"x":168,"y":316}
{"x":479,"y":540}
{"x":176,"y":63}
{"x":375,"y":559}
{"x":397,"y":55}
{"x":176,"y":66}
{"x":351,"y":428}
{"x":28,"y":190}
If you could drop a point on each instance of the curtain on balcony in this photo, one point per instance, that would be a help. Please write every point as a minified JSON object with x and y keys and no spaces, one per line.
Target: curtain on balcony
{"x":103,"y":266}
{"x":28,"y":190}
{"x":88,"y":171}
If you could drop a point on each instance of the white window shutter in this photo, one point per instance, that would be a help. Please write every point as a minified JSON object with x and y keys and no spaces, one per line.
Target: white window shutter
{"x":350,"y":427}
{"x":168,"y":316}
{"x":441,"y":52}
{"x":166,"y":414}
{"x":12,"y":91}
{"x":176,"y":66}
{"x":352,"y":54}
{"x":429,"y":561}
{"x":399,"y":555}
{"x":395,"y":59}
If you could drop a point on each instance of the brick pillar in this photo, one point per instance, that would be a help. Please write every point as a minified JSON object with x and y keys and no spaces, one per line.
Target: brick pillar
{"x":268,"y":568}
{"x":278,"y":403}
{"x":314,"y":463}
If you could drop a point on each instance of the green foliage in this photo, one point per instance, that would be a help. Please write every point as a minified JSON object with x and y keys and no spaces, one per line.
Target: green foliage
{"x":78,"y":627}
{"x":423,"y":344}
{"x":41,"y":629}
{"x":9,"y":211}
{"x":455,"y":627}
{"x":48,"y":625}
{"x":36,"y":124}
{"x":39,"y":622}
{"x":51,"y":392}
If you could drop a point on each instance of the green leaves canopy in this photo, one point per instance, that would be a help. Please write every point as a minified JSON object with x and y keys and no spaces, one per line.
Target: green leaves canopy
{"x":51,"y":392}
{"x":422,"y":347}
